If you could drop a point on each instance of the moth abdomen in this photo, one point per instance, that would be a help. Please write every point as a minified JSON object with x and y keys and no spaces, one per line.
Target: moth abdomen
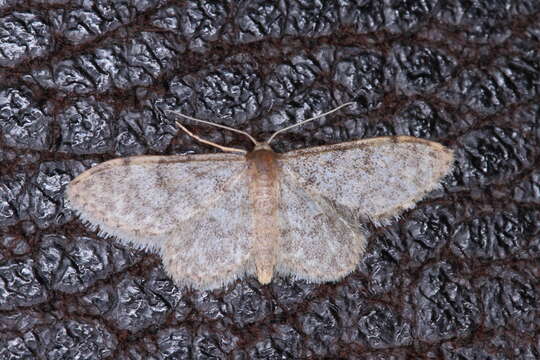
{"x":264,"y":198}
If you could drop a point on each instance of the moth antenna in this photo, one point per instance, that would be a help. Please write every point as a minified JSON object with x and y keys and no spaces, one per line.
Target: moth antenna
{"x":307,"y":120}
{"x":255,"y":142}
{"x":221,"y":147}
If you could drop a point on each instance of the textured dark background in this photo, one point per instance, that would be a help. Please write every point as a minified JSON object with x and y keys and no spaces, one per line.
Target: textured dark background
{"x":82,"y":82}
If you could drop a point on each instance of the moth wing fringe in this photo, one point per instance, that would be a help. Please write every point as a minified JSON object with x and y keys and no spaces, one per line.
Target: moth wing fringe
{"x":103,"y":231}
{"x":389,"y":218}
{"x":209,"y":286}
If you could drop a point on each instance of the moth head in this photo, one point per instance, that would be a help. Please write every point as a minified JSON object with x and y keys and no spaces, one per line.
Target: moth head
{"x":262,"y":146}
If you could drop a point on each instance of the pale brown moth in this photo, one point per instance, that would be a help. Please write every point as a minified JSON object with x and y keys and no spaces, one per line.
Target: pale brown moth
{"x":214,"y":218}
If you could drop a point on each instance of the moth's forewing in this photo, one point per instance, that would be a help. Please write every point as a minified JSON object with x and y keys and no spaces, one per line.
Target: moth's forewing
{"x":377,"y":178}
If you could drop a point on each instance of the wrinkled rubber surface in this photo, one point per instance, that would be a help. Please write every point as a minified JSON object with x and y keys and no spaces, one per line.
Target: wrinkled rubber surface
{"x":454,"y":278}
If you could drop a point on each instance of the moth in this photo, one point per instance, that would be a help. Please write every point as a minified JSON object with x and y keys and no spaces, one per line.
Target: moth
{"x":214,"y":218}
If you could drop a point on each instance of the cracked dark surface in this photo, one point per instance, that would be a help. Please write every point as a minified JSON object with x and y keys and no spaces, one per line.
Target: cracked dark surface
{"x":84,"y":82}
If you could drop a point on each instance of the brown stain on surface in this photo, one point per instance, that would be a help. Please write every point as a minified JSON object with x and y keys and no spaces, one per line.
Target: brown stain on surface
{"x":264,"y":197}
